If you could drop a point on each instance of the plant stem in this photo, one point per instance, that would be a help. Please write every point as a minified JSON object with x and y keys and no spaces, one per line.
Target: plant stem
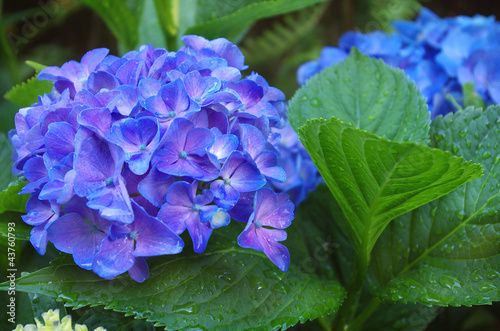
{"x":358,"y":322}
{"x":348,"y":309}
{"x":324,"y":323}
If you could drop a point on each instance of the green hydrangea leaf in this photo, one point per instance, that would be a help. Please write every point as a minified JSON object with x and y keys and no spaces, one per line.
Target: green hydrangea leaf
{"x":119,"y":19}
{"x":374,"y":180}
{"x":401,"y":317}
{"x":110,"y":320}
{"x":35,"y":65}
{"x":10,"y":200}
{"x":448,"y":251}
{"x":22,"y":230}
{"x":39,"y":304}
{"x":225,"y":288}
{"x":229,"y":18}
{"x":368,"y":94}
{"x":26,"y":94}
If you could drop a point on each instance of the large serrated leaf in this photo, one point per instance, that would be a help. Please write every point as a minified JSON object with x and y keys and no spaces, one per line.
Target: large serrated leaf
{"x":110,"y":320}
{"x":374,"y":180}
{"x":26,"y":94}
{"x":448,"y":251}
{"x":228,"y":18}
{"x":368,"y":94}
{"x":119,"y":18}
{"x":225,"y":288}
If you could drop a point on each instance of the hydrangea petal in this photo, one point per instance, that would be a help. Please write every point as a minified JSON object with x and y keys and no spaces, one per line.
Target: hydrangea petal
{"x":114,"y":258}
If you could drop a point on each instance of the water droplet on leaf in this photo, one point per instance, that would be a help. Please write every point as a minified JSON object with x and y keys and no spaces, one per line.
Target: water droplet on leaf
{"x":315,"y":102}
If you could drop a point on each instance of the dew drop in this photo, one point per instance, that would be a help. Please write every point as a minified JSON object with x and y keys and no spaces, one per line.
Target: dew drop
{"x":493,"y":274}
{"x":463,"y":132}
{"x":397,"y":297}
{"x":68,"y":297}
{"x":486,"y":155}
{"x":226,"y":275}
{"x":449,"y":282}
{"x":456,"y":147}
{"x":428,"y":300}
{"x":256,"y":283}
{"x":486,"y":286}
{"x":315,"y":102}
{"x":460,"y":214}
{"x":280,"y":288}
{"x":187,"y":308}
{"x":272,"y":274}
{"x":439,"y":135}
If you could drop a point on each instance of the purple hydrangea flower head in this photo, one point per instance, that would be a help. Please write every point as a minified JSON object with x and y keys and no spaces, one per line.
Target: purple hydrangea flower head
{"x":272,"y":213}
{"x":186,"y":210}
{"x":145,"y":236}
{"x":79,"y":232}
{"x":73,"y":75}
{"x":183,"y":151}
{"x":138,"y":139}
{"x":238,"y":174}
{"x":98,"y":177}
{"x":221,"y":47}
{"x":126,"y":153}
{"x":31,"y":124}
{"x":170,"y":101}
{"x":254,"y":143}
{"x":40,"y":214}
{"x":62,"y":178}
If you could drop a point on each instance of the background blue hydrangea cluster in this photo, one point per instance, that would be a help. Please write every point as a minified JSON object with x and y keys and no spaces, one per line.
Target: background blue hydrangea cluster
{"x":440,"y":55}
{"x":128,"y":152}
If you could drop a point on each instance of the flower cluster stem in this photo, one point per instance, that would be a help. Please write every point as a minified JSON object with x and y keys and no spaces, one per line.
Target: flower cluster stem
{"x":348,"y":310}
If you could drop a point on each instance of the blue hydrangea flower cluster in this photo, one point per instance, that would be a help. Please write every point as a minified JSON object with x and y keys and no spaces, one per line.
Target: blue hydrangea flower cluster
{"x":129,"y":152}
{"x":302,"y":176}
{"x":440,"y":55}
